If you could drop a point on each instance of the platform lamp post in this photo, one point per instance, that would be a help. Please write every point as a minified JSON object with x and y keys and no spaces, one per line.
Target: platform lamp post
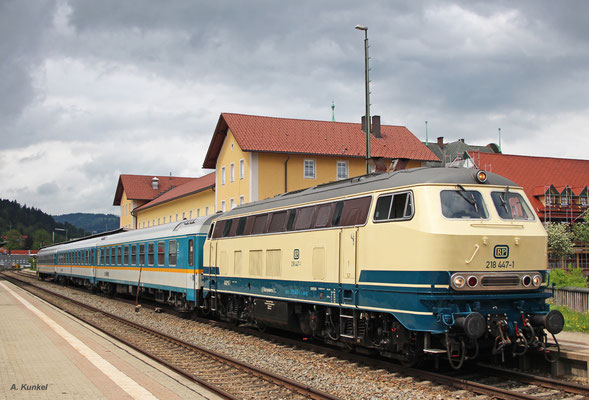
{"x":367,"y":87}
{"x":59,"y":229}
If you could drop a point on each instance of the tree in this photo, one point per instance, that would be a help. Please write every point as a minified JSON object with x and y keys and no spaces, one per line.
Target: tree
{"x":560,"y":241}
{"x":581,"y":230}
{"x":14,"y":240}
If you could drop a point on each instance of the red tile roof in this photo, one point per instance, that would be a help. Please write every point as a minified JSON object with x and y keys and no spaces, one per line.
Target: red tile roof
{"x":194,"y":186}
{"x":286,"y":135}
{"x":535,"y":174}
{"x":138,"y":187}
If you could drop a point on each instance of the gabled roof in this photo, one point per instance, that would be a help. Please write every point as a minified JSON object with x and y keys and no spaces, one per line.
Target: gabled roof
{"x":458,"y":148}
{"x":138,"y":187}
{"x":533,"y":172}
{"x":194,"y":186}
{"x":286,"y":135}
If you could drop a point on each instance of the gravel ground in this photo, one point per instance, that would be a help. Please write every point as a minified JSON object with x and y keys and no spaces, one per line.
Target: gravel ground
{"x":337,"y":377}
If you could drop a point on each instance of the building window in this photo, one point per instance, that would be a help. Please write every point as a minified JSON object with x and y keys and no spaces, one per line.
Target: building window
{"x":153,"y":222}
{"x":241,"y":169}
{"x":232,"y":172}
{"x":158,"y":220}
{"x":222,"y":175}
{"x":583,"y":201}
{"x":190,"y":215}
{"x":183,"y":215}
{"x":206,"y":210}
{"x":164,"y":220}
{"x":342,"y":170}
{"x":176,"y":217}
{"x":231,"y":203}
{"x":170,"y":217}
{"x":241,"y":200}
{"x":198,"y":212}
{"x":310,"y":169}
{"x":222,"y":205}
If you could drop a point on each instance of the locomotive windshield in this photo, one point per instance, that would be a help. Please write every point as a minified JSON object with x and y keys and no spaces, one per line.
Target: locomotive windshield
{"x":511,"y":206}
{"x":463,"y":204}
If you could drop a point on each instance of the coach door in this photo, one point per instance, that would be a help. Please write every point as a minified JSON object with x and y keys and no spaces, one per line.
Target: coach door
{"x":347,"y":267}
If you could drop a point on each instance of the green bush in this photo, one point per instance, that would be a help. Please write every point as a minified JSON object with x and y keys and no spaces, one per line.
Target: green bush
{"x":571,"y":278}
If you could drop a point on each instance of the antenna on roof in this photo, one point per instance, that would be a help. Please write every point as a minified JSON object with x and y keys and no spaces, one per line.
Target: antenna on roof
{"x":333,"y":111}
{"x":500,"y":151}
{"x":426,"y":138}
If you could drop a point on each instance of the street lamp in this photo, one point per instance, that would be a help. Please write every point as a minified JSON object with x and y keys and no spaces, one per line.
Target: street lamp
{"x":59,"y":229}
{"x":367,"y":83}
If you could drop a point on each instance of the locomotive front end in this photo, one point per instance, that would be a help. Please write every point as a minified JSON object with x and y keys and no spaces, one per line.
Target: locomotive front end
{"x":494,"y":247}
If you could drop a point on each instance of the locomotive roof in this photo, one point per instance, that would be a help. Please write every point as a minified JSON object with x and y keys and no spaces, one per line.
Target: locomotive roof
{"x":372,"y":182}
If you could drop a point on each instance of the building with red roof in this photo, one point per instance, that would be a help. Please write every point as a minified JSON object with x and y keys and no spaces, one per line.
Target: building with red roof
{"x":137,"y":193}
{"x":257,"y":157}
{"x":556,"y":187}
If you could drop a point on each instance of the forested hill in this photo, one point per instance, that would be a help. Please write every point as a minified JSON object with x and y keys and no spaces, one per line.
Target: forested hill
{"x":93,"y":223}
{"x":23,"y":227}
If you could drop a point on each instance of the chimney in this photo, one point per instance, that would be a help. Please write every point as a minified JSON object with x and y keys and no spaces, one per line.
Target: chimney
{"x":363,"y":123}
{"x":461,"y":140}
{"x":441,"y":142}
{"x":376,"y":126}
{"x":155,"y":183}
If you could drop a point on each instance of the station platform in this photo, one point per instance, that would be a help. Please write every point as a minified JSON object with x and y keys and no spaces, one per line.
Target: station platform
{"x":45,"y":353}
{"x":574,"y":355}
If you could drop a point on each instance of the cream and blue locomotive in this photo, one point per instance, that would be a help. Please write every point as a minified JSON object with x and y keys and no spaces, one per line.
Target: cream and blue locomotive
{"x":409,"y":263}
{"x":422,"y":262}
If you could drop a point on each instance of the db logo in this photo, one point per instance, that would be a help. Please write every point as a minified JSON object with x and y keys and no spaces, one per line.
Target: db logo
{"x":296,"y":254}
{"x":501,"y":251}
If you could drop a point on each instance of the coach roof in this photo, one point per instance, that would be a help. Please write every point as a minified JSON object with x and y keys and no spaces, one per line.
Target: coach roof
{"x":369,"y":183}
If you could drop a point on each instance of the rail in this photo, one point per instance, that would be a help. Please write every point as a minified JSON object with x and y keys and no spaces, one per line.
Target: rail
{"x":576,"y":299}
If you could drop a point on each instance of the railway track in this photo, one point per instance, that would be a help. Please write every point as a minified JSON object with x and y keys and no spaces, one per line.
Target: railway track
{"x":489,"y":381}
{"x":223,"y":375}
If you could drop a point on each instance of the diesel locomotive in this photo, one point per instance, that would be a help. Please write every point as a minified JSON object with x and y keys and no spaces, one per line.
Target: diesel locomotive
{"x":410,"y":264}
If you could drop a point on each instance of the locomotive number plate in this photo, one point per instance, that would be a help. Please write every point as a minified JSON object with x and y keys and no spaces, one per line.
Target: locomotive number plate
{"x":500,"y":264}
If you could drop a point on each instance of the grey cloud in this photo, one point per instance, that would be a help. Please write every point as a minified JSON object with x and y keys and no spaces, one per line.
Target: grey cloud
{"x":48,"y":189}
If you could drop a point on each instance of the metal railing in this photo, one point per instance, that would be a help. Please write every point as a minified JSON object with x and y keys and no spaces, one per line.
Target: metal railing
{"x":576,"y":299}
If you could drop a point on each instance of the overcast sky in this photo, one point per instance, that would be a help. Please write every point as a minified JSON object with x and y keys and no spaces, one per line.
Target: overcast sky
{"x":93,"y":89}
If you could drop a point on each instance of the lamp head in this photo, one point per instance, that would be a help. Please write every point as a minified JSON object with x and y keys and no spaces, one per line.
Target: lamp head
{"x":361,"y":27}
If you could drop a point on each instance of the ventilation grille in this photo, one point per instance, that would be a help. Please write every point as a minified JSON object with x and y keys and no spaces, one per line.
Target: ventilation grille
{"x":505,"y":280}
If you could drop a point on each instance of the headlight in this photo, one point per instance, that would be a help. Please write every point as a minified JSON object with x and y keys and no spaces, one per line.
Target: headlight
{"x":481,"y":176}
{"x":537,"y":280}
{"x":459,"y":281}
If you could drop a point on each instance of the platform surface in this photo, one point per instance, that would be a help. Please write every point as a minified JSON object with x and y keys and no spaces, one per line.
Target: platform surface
{"x":47,"y":354}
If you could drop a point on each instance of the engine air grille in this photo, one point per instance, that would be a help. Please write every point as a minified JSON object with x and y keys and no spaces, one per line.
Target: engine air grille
{"x":504,"y":280}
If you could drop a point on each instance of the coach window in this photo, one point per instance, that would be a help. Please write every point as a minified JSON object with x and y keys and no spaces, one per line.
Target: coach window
{"x":277,"y":222}
{"x":126,"y":253}
{"x":511,"y":206}
{"x":161,"y":254}
{"x":172,"y":253}
{"x":259,"y":224}
{"x":191,"y":252}
{"x":134,"y":254}
{"x":463,"y":204}
{"x":355,"y":211}
{"x":141,"y":254}
{"x":323,"y":216}
{"x":150,"y":254}
{"x":304,"y":217}
{"x":98,"y":256}
{"x":291,"y":218}
{"x":227,"y":227}
{"x":240,"y":226}
{"x":119,"y":255}
{"x":337,"y":213}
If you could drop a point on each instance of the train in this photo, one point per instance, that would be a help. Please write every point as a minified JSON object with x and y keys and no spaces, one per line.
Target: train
{"x":411,"y":265}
